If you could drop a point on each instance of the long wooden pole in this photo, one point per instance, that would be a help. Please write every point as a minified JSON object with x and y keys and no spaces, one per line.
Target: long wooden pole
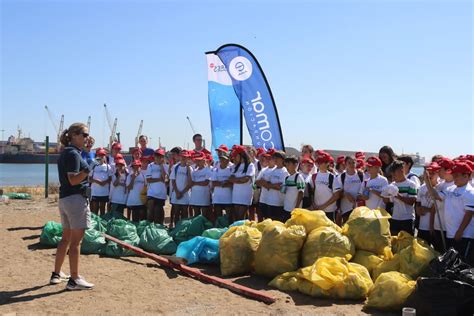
{"x":236,"y":288}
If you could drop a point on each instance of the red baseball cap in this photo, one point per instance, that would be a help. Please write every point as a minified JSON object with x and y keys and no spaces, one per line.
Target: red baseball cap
{"x":271,"y":151}
{"x":120,"y":162}
{"x":160,"y":152}
{"x":100,"y":152}
{"x":374,"y":162}
{"x":360,"y":154}
{"x":146,"y":158}
{"x":307,"y":160}
{"x":470,"y":157}
{"x":135,"y":149}
{"x":117,"y":146}
{"x":223,"y":148}
{"x":118,"y":156}
{"x":470,"y":164}
{"x":360,"y":163}
{"x":324,"y":157}
{"x":199,"y":156}
{"x":461,"y":167}
{"x":137,"y":163}
{"x":446,"y":163}
{"x":340,"y":160}
{"x":204,"y":150}
{"x":260,"y":151}
{"x":434,"y":167}
{"x":185,"y":153}
{"x":237,"y":149}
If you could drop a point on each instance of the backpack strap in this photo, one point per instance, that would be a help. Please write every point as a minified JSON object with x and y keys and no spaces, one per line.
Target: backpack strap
{"x":343,"y":179}
{"x":361,"y":176}
{"x":331,"y":180}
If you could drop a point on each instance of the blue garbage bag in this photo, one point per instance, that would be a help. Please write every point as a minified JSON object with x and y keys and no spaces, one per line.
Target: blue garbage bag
{"x":199,"y":250}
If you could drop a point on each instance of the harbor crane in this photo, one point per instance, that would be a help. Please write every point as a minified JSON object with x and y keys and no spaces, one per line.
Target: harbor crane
{"x":194,"y":131}
{"x":59,"y":129}
{"x":89,"y":124}
{"x":113,"y":127}
{"x":140,"y":127}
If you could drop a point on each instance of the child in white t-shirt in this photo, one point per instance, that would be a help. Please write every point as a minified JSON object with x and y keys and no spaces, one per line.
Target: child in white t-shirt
{"x":350,"y":182}
{"x":306,"y":166}
{"x":371,"y":189}
{"x":135,"y":185}
{"x":100,"y":178}
{"x":294,"y":188}
{"x":425,"y":209}
{"x":156,"y":175}
{"x":242,"y":178}
{"x":181,"y":182}
{"x":275,"y":198}
{"x":403,"y":216}
{"x":262,"y":182}
{"x":324,"y":189}
{"x":118,"y":197}
{"x":200,"y":199}
{"x":222,"y":188}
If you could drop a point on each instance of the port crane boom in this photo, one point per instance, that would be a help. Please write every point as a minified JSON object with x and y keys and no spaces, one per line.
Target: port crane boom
{"x":59,"y":129}
{"x":112,"y":126}
{"x":140,"y":127}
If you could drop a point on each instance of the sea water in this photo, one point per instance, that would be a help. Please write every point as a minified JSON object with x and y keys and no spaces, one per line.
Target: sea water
{"x":12,"y":174}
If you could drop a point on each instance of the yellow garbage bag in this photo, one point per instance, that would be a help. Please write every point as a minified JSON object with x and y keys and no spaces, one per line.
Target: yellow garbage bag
{"x":367,"y":259}
{"x":310,"y":220}
{"x":237,"y":249}
{"x":279,"y":249}
{"x":404,"y":240}
{"x":369,"y":230}
{"x":386,"y":266}
{"x":326,"y":242}
{"x":390,"y":291}
{"x":261,"y":225}
{"x":416,"y":258}
{"x":327,"y":277}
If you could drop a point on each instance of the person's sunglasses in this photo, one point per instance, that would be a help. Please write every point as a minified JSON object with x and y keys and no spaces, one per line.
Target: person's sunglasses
{"x":85,"y":135}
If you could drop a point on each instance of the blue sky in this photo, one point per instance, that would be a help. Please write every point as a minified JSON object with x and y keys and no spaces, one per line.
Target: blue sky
{"x":345,"y":74}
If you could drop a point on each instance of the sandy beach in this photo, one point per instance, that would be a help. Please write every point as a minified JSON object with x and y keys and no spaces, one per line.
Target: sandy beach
{"x":131,"y":285}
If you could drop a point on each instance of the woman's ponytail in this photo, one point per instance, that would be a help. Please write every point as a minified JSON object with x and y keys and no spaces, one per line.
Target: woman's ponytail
{"x":65,"y":138}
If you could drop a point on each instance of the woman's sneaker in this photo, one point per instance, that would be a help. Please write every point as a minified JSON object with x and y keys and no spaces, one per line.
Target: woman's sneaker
{"x":57,"y":278}
{"x":79,"y":284}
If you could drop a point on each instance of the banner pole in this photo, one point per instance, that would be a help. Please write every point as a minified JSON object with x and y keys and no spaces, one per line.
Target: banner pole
{"x":46,"y":167}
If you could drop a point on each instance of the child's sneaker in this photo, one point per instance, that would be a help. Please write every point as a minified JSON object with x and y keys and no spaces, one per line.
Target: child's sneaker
{"x":79,"y":284}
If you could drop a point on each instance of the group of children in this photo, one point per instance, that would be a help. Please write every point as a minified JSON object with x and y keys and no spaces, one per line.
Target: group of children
{"x":257,"y":184}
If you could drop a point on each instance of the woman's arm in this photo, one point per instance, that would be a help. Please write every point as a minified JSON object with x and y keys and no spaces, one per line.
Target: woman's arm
{"x":78,"y":177}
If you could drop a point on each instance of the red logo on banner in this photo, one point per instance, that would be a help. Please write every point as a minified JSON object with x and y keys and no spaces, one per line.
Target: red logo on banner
{"x":211,"y":65}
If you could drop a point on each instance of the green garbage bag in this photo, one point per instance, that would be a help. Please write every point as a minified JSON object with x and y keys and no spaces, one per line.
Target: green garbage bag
{"x":19,"y":196}
{"x":124,"y":231}
{"x":93,"y":242}
{"x":214,"y":233}
{"x":156,"y":239}
{"x":189,"y":228}
{"x":222,"y":221}
{"x":107,"y":217}
{"x":141,"y":225}
{"x":97,"y":223}
{"x":51,"y":234}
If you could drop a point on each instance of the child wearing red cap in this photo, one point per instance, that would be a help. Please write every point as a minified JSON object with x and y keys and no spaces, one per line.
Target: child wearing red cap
{"x":135,"y":185}
{"x":425,"y":206}
{"x":294,"y":188}
{"x":222,"y":188}
{"x":118,"y":197}
{"x":324,"y":189}
{"x":350,"y":182}
{"x":156,"y":176}
{"x":403,"y":216}
{"x":459,"y":210}
{"x":200,"y":199}
{"x":371,"y":189}
{"x":181,"y":183}
{"x":100,"y":178}
{"x":340,"y":165}
{"x":242,"y":177}
{"x":115,"y":149}
{"x":306,"y":166}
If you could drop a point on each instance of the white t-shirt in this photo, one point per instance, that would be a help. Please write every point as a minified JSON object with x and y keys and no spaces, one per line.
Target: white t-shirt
{"x":134,"y":195}
{"x":402,"y":211}
{"x":352,"y":184}
{"x":276,"y":197}
{"x":102,"y":173}
{"x":376,"y":184}
{"x":201,"y":195}
{"x":322,"y":192}
{"x":442,"y":186}
{"x":425,"y":200}
{"x":458,"y":201}
{"x":307,"y":179}
{"x":242,"y":193}
{"x":180,"y":175}
{"x":294,"y":184}
{"x":414,"y":178}
{"x":265,"y":174}
{"x":221,"y":195}
{"x":156,"y":189}
{"x":119,"y":192}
